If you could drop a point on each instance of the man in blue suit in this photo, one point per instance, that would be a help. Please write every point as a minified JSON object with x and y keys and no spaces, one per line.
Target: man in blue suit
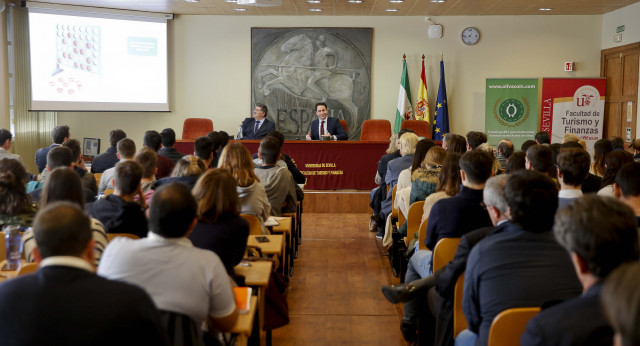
{"x":600,"y":234}
{"x":259,"y":126}
{"x":325,"y":126}
{"x":65,"y":302}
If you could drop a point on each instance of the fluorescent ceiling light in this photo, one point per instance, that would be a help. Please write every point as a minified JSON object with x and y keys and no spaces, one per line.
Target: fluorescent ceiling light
{"x":315,"y":9}
{"x":545,"y":9}
{"x":391,"y":10}
{"x":240,"y":9}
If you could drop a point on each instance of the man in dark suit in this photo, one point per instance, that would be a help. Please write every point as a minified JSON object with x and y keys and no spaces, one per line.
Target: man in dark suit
{"x":626,"y":187}
{"x":59,"y":134}
{"x":152,"y":139}
{"x":522,"y":265}
{"x":64,"y":302}
{"x":109,"y":158}
{"x":259,"y":126}
{"x":325,"y":126}
{"x":600,"y":234}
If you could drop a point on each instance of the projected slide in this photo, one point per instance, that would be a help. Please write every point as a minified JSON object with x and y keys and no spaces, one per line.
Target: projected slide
{"x":99,"y":64}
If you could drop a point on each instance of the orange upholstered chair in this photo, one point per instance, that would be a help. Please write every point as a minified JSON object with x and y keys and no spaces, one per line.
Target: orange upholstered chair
{"x":196,"y":127}
{"x":375,"y":130}
{"x":419,"y":127}
{"x":344,"y":125}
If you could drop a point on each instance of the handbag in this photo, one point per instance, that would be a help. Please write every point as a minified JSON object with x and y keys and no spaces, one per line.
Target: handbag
{"x":276,"y":307}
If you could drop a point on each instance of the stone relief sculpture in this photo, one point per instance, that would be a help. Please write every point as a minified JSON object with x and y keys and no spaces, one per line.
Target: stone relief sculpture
{"x":293,"y":69}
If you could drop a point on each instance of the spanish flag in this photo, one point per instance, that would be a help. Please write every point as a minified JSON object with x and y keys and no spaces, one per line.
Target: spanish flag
{"x":422,"y":104}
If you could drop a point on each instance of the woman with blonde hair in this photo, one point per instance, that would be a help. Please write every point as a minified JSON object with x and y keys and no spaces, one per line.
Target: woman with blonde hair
{"x":486,"y":147}
{"x":236,"y":159}
{"x":187,"y":171}
{"x":220,"y":227}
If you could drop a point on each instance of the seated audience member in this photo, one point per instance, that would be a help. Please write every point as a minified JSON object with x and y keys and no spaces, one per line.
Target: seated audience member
{"x":86,"y":177}
{"x":168,"y":141}
{"x":187,"y":171}
{"x":539,"y":158}
{"x":59,"y":134}
{"x":600,"y":234}
{"x":64,"y":184}
{"x":504,"y":151}
{"x":216,"y":138}
{"x":620,"y":301}
{"x":225,"y":140}
{"x":617,"y":143}
{"x":542,"y":137}
{"x":516,"y":162}
{"x":64,"y":302}
{"x":593,"y":182}
{"x":109,"y":158}
{"x":5,"y":145}
{"x":449,"y":183}
{"x":573,"y":168}
{"x":570,"y":137}
{"x":17,"y":207}
{"x":445,"y":140}
{"x":600,"y":149}
{"x":60,"y":156}
{"x":636,"y":149}
{"x":119,"y":212}
{"x":179,"y":277}
{"x":126,"y":152}
{"x":523,"y":264}
{"x":487,"y":148}
{"x":456,"y":144}
{"x":285,"y":160}
{"x":526,"y":145}
{"x":153,"y":140}
{"x":277,"y":181}
{"x":258,"y":126}
{"x":148,"y":159}
{"x":555,"y":151}
{"x":439,"y":320}
{"x":203,"y":149}
{"x":220,"y":227}
{"x":613,"y":161}
{"x":408,"y":143}
{"x":236,"y":159}
{"x":403,"y":186}
{"x":474,"y":139}
{"x":626,"y":186}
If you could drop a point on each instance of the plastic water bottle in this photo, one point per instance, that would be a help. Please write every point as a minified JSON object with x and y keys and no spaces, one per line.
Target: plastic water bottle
{"x":239,"y":135}
{"x":101,"y":195}
{"x":13,"y":244}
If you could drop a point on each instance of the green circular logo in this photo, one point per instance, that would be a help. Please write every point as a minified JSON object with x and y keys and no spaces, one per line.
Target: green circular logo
{"x":511,"y":110}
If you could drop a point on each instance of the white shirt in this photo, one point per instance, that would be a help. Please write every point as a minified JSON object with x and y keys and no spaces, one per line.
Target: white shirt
{"x":67,"y":261}
{"x":178,"y":276}
{"x":570,"y":194}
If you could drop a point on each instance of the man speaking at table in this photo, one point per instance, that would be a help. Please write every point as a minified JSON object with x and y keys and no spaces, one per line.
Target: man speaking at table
{"x":325,"y":126}
{"x":259,"y":126}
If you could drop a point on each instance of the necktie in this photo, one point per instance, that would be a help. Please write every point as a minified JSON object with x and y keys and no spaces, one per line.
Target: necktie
{"x":255,"y":129}
{"x":322,"y":128}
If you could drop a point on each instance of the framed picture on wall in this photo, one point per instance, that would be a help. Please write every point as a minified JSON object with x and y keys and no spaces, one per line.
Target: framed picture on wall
{"x":292,"y":69}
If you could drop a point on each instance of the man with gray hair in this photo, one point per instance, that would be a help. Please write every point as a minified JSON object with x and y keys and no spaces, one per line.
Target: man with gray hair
{"x":439,"y":287}
{"x":600,"y":234}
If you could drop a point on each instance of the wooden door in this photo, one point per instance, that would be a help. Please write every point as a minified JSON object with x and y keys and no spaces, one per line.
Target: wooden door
{"x":620,"y":66}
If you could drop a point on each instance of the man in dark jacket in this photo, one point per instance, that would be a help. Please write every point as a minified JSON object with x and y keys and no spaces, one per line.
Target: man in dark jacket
{"x":119,"y":212}
{"x":109,"y":158}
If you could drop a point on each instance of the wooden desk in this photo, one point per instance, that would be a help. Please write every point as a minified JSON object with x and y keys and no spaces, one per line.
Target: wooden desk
{"x":328,"y":165}
{"x":256,"y":274}
{"x":244,"y":324}
{"x":284,"y":227}
{"x":273,"y":247}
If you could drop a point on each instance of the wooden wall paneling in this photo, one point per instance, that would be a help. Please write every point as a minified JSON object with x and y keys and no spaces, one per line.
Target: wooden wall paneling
{"x":336,"y":202}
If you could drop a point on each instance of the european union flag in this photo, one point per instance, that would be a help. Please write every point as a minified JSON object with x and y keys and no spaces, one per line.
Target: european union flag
{"x":441,"y":121}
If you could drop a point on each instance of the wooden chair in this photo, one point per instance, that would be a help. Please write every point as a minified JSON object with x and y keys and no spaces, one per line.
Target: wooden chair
{"x":107,"y":192}
{"x":28,"y":268}
{"x":423,"y":235}
{"x":509,"y":325}
{"x":394,"y":210}
{"x":413,"y":220}
{"x":444,"y":252}
{"x":459,"y":321}
{"x":255,"y":227}
{"x":97,"y":176}
{"x":419,"y":127}
{"x":111,"y":236}
{"x":375,"y":130}
{"x":345,"y":126}
{"x":196,"y":127}
{"x":3,"y":249}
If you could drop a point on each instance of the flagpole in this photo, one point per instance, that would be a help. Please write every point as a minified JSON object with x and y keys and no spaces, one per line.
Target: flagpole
{"x":441,"y":56}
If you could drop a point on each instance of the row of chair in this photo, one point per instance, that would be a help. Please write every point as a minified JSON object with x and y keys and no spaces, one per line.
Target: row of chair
{"x":372,"y":129}
{"x":506,"y":328}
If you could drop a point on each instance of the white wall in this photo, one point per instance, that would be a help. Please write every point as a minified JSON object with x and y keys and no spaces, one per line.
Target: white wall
{"x":210,"y":59}
{"x":627,"y":16}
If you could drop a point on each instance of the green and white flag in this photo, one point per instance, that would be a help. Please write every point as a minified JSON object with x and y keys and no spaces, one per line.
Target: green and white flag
{"x":405,"y":109}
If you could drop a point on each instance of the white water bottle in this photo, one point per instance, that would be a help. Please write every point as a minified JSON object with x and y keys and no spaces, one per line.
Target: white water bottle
{"x":13,"y":243}
{"x":239,"y":135}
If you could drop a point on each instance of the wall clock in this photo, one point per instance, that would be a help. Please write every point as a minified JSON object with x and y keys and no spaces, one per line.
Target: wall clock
{"x":470,"y":36}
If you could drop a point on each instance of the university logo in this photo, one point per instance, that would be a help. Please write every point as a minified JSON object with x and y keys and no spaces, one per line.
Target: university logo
{"x":586,"y":96}
{"x":511,"y":112}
